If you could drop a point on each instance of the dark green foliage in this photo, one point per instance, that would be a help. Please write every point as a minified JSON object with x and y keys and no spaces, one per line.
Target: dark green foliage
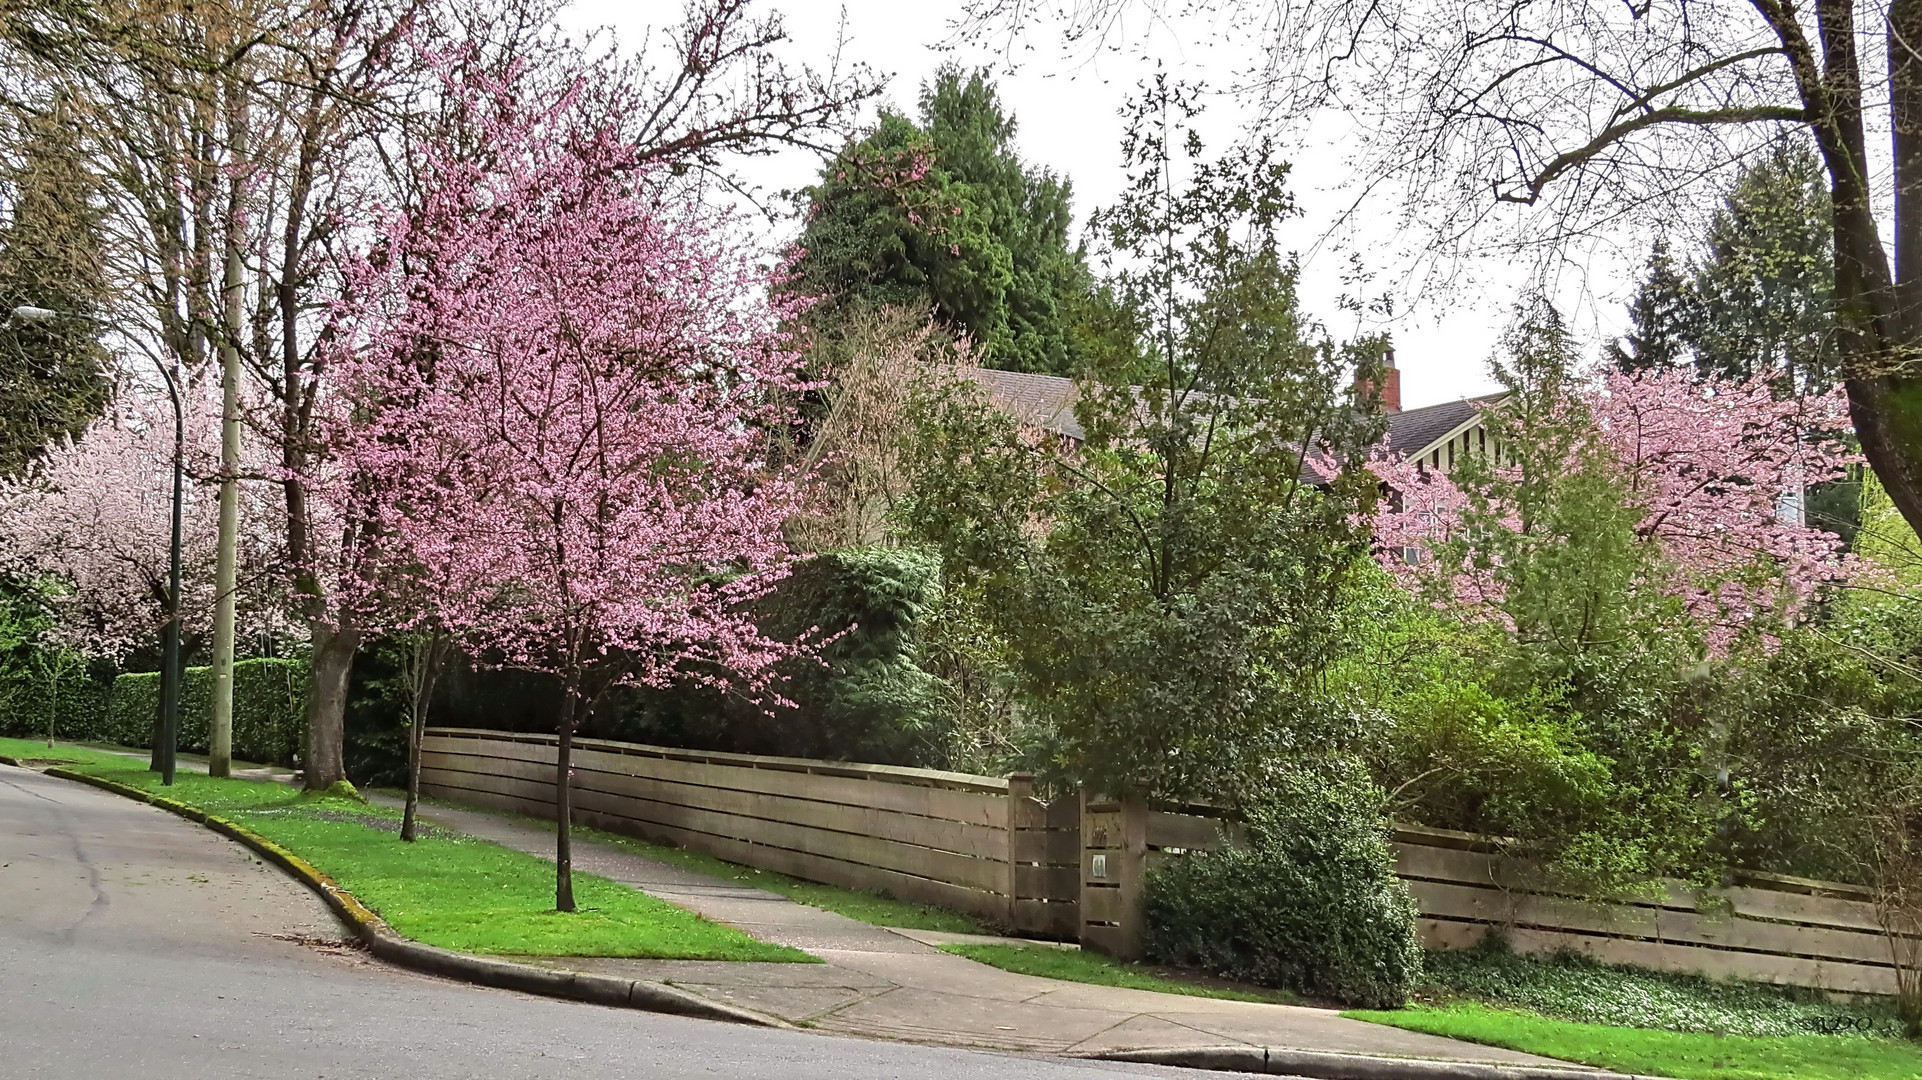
{"x":1310,"y":903}
{"x":1660,"y":316}
{"x":864,"y":699}
{"x":269,"y":710}
{"x":867,"y":698}
{"x":375,"y":753}
{"x":1765,"y":288}
{"x":51,"y":379}
{"x":941,"y":213}
{"x":1570,"y":986}
{"x":42,"y":685}
{"x":1167,"y":591}
{"x":1757,"y":297}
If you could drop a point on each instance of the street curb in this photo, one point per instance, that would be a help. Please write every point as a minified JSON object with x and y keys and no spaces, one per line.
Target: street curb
{"x":381,"y":940}
{"x":1322,"y":1065}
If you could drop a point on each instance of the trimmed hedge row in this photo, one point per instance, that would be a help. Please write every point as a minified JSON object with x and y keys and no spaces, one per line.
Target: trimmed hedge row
{"x":270,"y":710}
{"x":78,"y":703}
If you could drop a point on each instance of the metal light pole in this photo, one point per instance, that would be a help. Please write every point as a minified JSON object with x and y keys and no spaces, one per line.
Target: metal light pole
{"x":168,"y":732}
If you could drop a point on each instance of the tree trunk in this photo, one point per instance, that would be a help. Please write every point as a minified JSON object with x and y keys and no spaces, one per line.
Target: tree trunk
{"x":1885,"y":392}
{"x":408,"y":816}
{"x":423,"y":671}
{"x":333,"y":663}
{"x":564,"y":800}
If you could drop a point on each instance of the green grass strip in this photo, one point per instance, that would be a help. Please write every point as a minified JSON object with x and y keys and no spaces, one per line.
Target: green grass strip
{"x":1074,"y":965}
{"x":1683,"y":1055}
{"x":868,"y":907}
{"x":453,"y":891}
{"x":877,"y":909}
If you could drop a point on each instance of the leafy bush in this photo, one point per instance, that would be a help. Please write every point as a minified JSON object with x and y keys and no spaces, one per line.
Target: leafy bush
{"x":59,"y":683}
{"x":1310,"y":903}
{"x":40,"y":682}
{"x":865,"y":698}
{"x":270,"y":709}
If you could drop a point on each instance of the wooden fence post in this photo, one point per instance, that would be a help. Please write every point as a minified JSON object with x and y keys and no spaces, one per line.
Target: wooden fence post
{"x":1114,"y":842}
{"x":1021,"y":806}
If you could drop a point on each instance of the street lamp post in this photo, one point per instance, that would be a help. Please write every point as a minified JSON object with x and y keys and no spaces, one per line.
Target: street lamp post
{"x":168,"y":733}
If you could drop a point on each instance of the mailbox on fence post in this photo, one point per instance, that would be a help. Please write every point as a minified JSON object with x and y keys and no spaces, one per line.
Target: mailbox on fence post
{"x":1114,"y":843}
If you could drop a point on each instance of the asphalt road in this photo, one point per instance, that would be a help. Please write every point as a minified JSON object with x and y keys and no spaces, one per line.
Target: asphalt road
{"x":136,"y":945}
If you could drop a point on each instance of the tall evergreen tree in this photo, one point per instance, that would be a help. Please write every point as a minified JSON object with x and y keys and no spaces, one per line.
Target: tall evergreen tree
{"x":941,"y":212}
{"x":1757,"y":295}
{"x":52,"y":380}
{"x":1765,"y":283}
{"x":1659,"y":317}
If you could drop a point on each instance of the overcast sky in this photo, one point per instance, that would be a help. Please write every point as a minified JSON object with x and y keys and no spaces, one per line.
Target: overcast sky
{"x":1066,"y":105}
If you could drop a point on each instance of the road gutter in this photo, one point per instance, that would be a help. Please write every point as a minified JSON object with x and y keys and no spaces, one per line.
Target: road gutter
{"x":1323,"y":1065}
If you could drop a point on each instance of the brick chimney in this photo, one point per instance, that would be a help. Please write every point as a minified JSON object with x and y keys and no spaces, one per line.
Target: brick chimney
{"x":1390,"y":384}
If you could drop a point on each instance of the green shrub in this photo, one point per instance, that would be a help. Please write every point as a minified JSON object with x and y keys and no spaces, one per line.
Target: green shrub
{"x":1309,"y":903}
{"x":864,"y":698}
{"x":62,"y":684}
{"x":270,"y":710}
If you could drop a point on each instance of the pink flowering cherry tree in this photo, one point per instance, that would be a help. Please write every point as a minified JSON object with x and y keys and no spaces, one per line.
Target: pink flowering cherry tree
{"x":95,"y":515}
{"x":557,"y":388}
{"x":1712,"y":468}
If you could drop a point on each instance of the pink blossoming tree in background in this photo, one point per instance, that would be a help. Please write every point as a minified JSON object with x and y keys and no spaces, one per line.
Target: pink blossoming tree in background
{"x":1705,"y":467}
{"x":95,"y":516}
{"x":558,"y":390}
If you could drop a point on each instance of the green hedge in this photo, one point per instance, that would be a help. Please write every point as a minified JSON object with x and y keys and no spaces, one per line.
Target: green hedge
{"x":77,"y":701}
{"x":270,"y":710}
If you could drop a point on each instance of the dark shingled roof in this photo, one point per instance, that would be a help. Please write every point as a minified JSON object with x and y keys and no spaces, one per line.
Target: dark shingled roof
{"x":1411,"y":431}
{"x":1047,"y":401}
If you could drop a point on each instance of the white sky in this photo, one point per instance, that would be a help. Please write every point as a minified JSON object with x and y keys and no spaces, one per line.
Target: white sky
{"x":1067,"y":107}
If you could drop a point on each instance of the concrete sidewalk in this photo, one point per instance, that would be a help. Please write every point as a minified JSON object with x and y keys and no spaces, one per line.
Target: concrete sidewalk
{"x":895,"y":984}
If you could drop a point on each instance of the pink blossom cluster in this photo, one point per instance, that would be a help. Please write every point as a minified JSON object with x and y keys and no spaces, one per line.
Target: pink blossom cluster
{"x":92,"y":521}
{"x":557,"y":388}
{"x":1719,"y":469}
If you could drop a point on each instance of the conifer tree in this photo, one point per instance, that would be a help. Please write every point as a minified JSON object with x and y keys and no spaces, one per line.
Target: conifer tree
{"x":50,"y":257}
{"x":942,"y":213}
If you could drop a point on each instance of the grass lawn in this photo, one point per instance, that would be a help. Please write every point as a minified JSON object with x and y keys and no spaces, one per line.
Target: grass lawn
{"x":1684,"y":1055}
{"x":869,"y":907}
{"x":36,"y":752}
{"x":447,"y":890}
{"x":1073,"y":965}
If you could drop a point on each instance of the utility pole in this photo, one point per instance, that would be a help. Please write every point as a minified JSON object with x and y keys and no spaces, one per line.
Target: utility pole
{"x":167,"y":735}
{"x":220,"y":733}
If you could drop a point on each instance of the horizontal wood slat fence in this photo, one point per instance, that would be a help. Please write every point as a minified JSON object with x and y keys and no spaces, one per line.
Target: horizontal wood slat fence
{"x":982,"y":845}
{"x":1764,"y":927}
{"x":1073,"y":869}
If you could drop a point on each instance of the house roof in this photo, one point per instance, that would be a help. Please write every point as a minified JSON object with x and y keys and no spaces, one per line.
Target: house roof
{"x":1415,"y":430}
{"x":1047,"y":401}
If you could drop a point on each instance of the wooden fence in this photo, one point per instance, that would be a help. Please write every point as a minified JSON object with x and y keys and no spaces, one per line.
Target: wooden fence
{"x":1074,"y":869}
{"x":1763,"y":927}
{"x":983,"y":845}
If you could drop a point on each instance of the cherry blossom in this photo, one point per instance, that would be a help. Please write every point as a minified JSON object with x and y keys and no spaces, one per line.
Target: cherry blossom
{"x":557,"y":388}
{"x":1714,"y":466}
